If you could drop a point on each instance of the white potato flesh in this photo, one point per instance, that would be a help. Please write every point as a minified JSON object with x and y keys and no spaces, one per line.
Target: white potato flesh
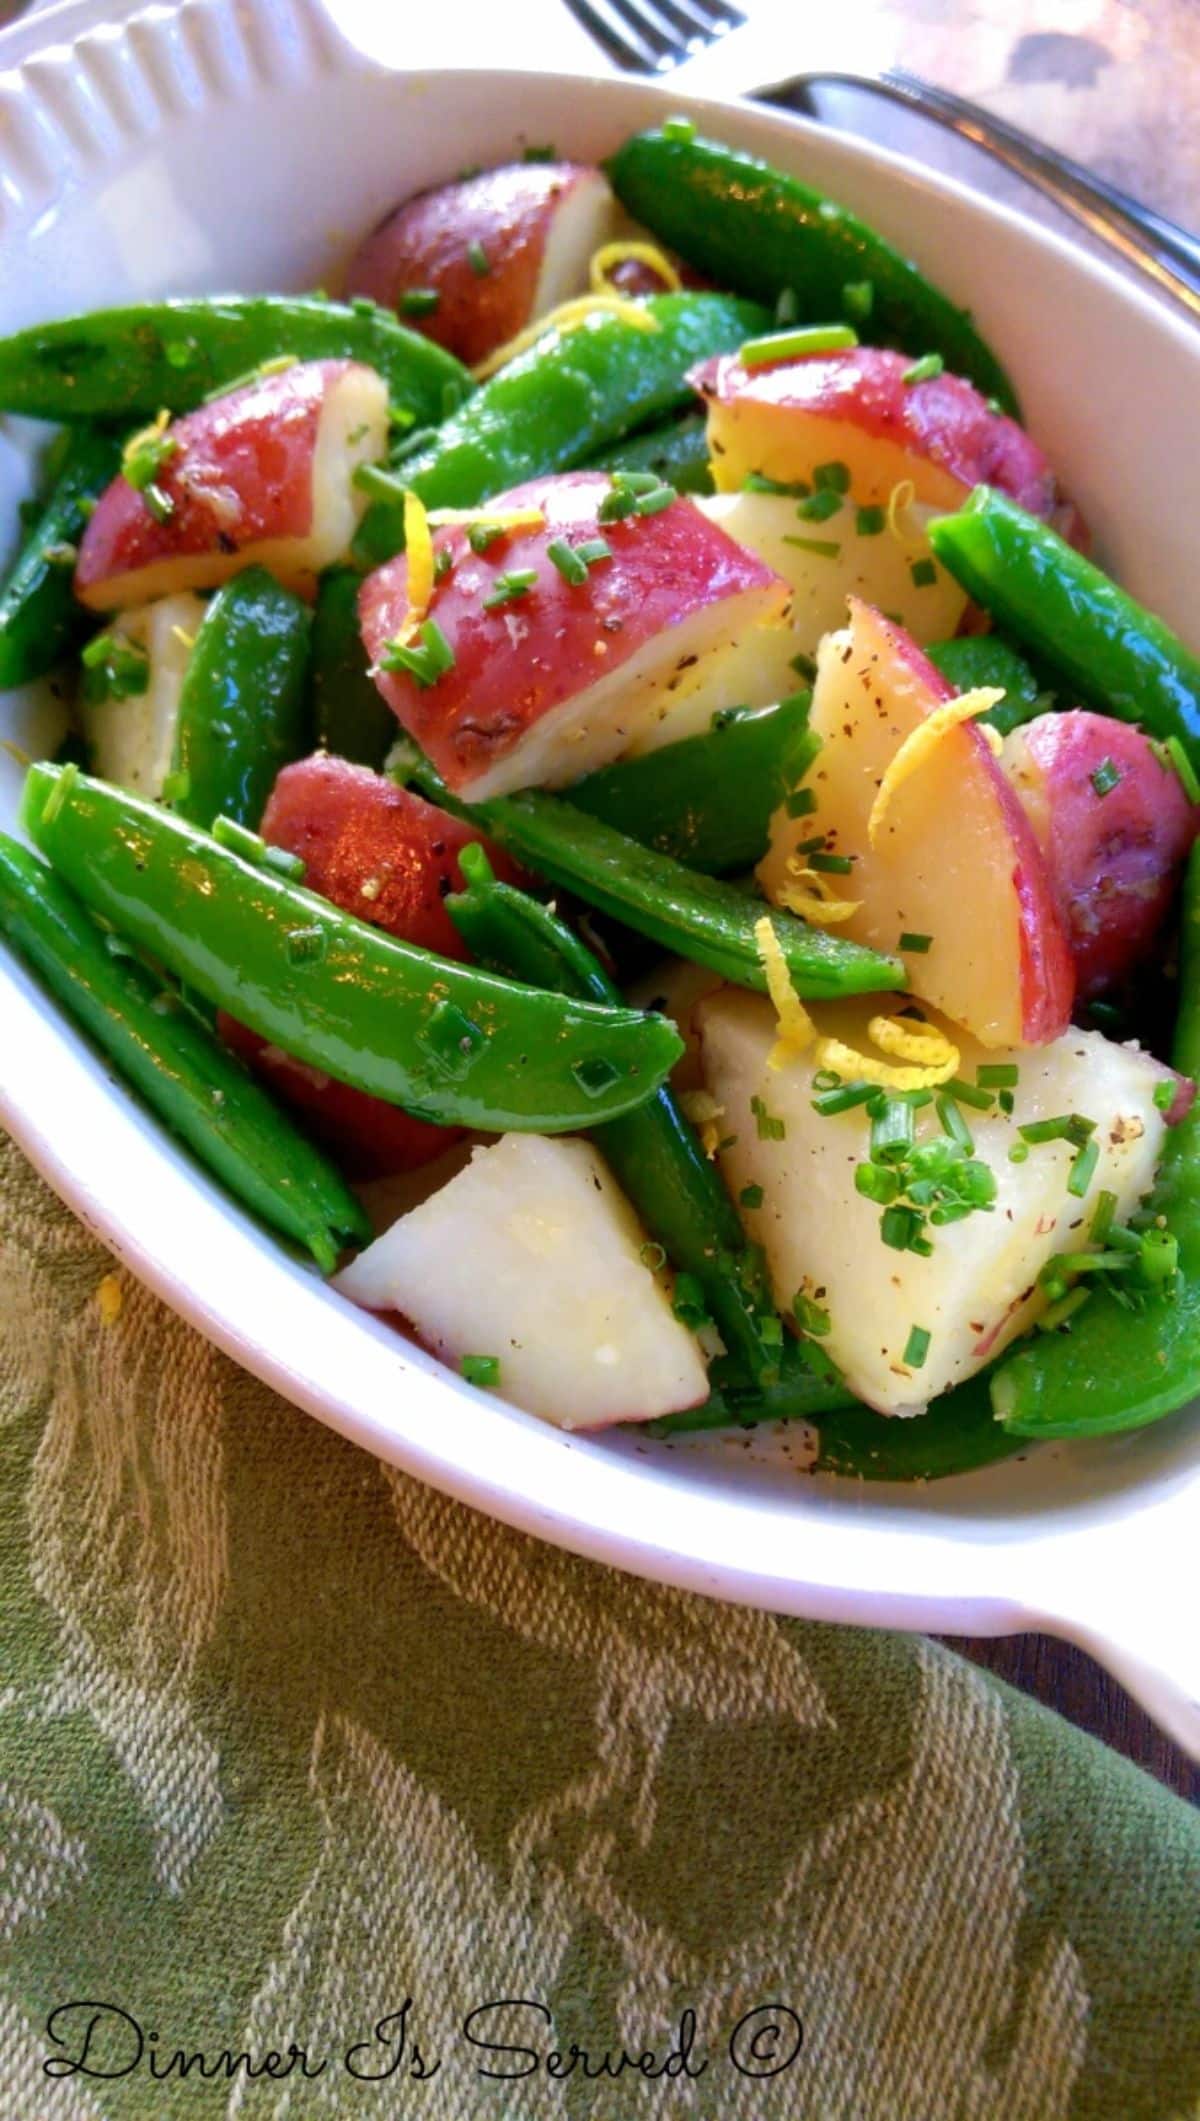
{"x":669,"y":688}
{"x":533,"y":1255}
{"x":978,"y":1289}
{"x":585,"y":218}
{"x":130,"y":741}
{"x":875,"y":565}
{"x":353,"y":430}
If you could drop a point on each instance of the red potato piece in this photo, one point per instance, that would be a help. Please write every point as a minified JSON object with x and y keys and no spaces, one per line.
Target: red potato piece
{"x":855,"y":408}
{"x":955,"y":859}
{"x":558,"y":682}
{"x":498,"y":250}
{"x":260,"y":477}
{"x":1113,"y":853}
{"x":389,"y":857}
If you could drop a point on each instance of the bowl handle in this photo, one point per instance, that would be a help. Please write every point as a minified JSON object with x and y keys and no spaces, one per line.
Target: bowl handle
{"x":1135,"y":1609}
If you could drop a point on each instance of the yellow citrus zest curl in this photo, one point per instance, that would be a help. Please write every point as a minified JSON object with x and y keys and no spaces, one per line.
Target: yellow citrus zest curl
{"x":418,"y":548}
{"x":922,"y":741}
{"x":502,"y":520}
{"x":900,"y":523}
{"x":610,"y":255}
{"x":923,"y":1058}
{"x":813,"y":898}
{"x":702,"y":1109}
{"x":924,"y":1044}
{"x":796,"y":1027}
{"x":567,"y":317}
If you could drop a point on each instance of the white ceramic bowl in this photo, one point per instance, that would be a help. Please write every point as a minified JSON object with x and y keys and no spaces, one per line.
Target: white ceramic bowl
{"x":216,"y":145}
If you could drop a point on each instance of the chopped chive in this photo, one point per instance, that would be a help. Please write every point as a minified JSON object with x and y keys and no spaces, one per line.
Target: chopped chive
{"x":478,"y":260}
{"x":636,"y":481}
{"x":114,"y":668}
{"x":1164,"y":1095}
{"x":916,"y":1348}
{"x":826,"y":548}
{"x":284,"y":863}
{"x":893,"y":1131}
{"x":443,"y":561}
{"x":826,"y":1079}
{"x":809,"y":1315}
{"x":812,"y":846}
{"x":832,"y":864}
{"x":751,"y":1197}
{"x":653,"y":1256}
{"x":1106,"y":777}
{"x":922,"y":371}
{"x":790,"y":489}
{"x":818,"y":507}
{"x":419,"y":301}
{"x":1174,"y":755}
{"x":688,"y":1303}
{"x":787,"y":308}
{"x":1007,"y":1103}
{"x":804,"y":667}
{"x":567,"y":560}
{"x":481,"y":535}
{"x":592,"y":550}
{"x":800,"y":803}
{"x":545,"y":153}
{"x":858,"y":299}
{"x":653,"y":503}
{"x":844,"y":1097}
{"x":1059,"y":1313}
{"x":870,"y":521}
{"x":678,"y":128}
{"x":954,"y":1124}
{"x":998,"y":1075}
{"x":1102,"y":1219}
{"x":1083,"y":1170}
{"x":145,"y":456}
{"x":796,"y":345}
{"x":426,"y":661}
{"x":918,"y":944}
{"x":875,"y":1182}
{"x":618,"y":503}
{"x":515,"y":582}
{"x":769,"y":1128}
{"x":1159,"y":1255}
{"x":481,"y":1370}
{"x":1047,"y":1130}
{"x":924,"y":574}
{"x":898,"y":1227}
{"x":832,"y":478}
{"x":1019,"y":1153}
{"x":972,"y":1094}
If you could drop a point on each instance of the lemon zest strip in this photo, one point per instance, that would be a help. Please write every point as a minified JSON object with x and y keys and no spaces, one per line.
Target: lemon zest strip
{"x":610,"y":255}
{"x":924,"y":739}
{"x":702,"y":1109}
{"x":567,"y":317}
{"x":856,"y":1067}
{"x":812,"y":898}
{"x":796,"y":1027}
{"x":899,"y":521}
{"x":501,"y":519}
{"x":418,"y":548}
{"x":926,"y":1046}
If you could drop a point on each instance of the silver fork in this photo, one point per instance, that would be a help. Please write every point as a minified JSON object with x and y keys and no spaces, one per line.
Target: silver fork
{"x":654,"y":36}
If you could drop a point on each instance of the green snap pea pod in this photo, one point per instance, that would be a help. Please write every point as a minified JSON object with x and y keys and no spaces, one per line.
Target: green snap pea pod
{"x":692,"y":915}
{"x":984,"y":659}
{"x":40,"y":617}
{"x":750,"y":227}
{"x":707,"y":801}
{"x":349,"y":717}
{"x":958,"y":1434}
{"x":243,"y":706}
{"x":124,"y":364}
{"x":201,"y":1091}
{"x":676,"y":452}
{"x":449,"y":1043}
{"x":653,"y":1152}
{"x":1106,"y":648}
{"x":1114,"y":1368}
{"x":571,"y":394}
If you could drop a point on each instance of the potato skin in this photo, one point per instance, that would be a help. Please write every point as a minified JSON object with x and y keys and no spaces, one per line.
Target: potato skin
{"x":1114,"y":857}
{"x":389,"y":857}
{"x":426,"y":244}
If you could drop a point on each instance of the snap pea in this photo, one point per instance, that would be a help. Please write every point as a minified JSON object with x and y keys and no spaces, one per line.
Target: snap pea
{"x":349,"y":716}
{"x":1108,"y":648}
{"x":957,"y":1434}
{"x":676,"y":451}
{"x":449,"y":1043}
{"x":40,"y":617}
{"x":985,"y":659}
{"x":750,"y":227}
{"x":243,"y":705}
{"x":194,"y":1084}
{"x":1113,"y":1368}
{"x":707,"y":801}
{"x":571,"y":394}
{"x":692,"y":915}
{"x":653,"y":1152}
{"x":124,"y":364}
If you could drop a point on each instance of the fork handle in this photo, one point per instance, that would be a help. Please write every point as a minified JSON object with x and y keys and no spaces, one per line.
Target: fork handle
{"x":1143,"y":238}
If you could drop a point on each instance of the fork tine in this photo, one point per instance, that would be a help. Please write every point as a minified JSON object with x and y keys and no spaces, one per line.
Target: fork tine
{"x":705,"y":20}
{"x":630,"y":53}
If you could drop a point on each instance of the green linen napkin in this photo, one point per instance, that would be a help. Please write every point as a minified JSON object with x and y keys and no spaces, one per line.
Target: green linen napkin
{"x":286,"y":1738}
